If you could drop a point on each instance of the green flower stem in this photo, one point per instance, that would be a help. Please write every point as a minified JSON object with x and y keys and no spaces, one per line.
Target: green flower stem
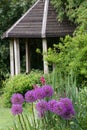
{"x":24,"y":122}
{"x":20,"y":122}
{"x":46,"y":122}
{"x":33,"y":115}
{"x":67,"y":123}
{"x":43,"y":124}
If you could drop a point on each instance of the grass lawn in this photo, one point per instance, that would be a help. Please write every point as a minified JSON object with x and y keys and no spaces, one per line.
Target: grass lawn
{"x":5,"y":118}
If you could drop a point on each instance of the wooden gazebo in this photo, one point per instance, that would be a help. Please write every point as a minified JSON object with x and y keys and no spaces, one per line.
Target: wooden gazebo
{"x":40,"y":21}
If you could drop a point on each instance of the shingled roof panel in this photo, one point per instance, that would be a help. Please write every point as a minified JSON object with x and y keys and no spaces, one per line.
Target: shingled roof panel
{"x":54,"y":27}
{"x":31,"y":23}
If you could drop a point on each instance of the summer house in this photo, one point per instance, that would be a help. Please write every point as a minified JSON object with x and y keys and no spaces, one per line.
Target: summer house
{"x":39,"y":22}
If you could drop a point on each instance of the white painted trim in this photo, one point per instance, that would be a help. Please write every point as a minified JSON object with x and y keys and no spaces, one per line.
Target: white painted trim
{"x":21,"y":18}
{"x":17,"y":56}
{"x":27,"y":45}
{"x":12,"y":66}
{"x":44,"y":22}
{"x":45,"y":63}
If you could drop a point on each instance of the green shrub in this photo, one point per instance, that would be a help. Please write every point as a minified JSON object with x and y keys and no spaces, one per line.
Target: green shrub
{"x":19,"y":84}
{"x":70,"y":55}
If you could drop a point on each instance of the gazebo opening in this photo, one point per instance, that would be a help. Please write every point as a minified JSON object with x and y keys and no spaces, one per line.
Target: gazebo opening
{"x":36,"y":59}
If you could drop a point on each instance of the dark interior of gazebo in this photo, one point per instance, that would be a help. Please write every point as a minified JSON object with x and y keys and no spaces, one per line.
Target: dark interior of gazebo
{"x":34,"y":55}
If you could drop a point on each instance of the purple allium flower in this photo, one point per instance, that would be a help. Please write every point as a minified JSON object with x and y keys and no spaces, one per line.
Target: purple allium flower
{"x":16,"y":109}
{"x":59,"y":108}
{"x":67,"y":102}
{"x":70,"y":112}
{"x":48,"y":90}
{"x":51,"y":104}
{"x":42,"y":106}
{"x":17,"y":98}
{"x":30,"y":96}
{"x":39,"y":93}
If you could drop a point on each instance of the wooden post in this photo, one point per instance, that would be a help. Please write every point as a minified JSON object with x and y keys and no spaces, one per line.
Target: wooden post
{"x":12,"y":57}
{"x":17,"y":56}
{"x":54,"y":66}
{"x":27,"y":56}
{"x":44,"y":41}
{"x":45,"y":64}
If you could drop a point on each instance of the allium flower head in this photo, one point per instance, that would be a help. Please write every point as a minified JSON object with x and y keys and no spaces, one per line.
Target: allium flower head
{"x":67,"y":102}
{"x":17,"y":98}
{"x":30,"y":96}
{"x":59,"y":108}
{"x":43,"y":81}
{"x":16,"y":109}
{"x":48,"y":90}
{"x":39,"y":93}
{"x":41,"y":106}
{"x":70,"y":112}
{"x":51,"y":104}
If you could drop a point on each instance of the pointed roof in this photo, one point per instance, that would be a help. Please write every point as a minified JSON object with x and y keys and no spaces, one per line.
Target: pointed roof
{"x":40,"y":21}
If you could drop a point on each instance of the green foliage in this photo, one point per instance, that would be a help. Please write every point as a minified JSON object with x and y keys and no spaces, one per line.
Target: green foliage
{"x":4,"y":57}
{"x":82,"y":114}
{"x":70,"y":55}
{"x":67,"y":87}
{"x":19,"y":84}
{"x":59,"y":6}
